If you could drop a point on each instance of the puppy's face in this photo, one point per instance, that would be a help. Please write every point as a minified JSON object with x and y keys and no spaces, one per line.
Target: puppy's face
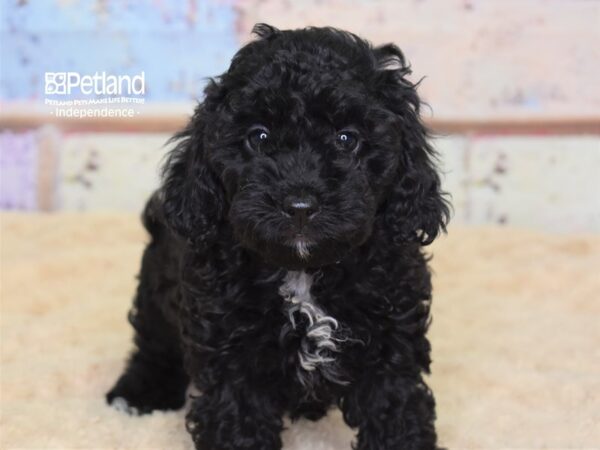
{"x":297,"y":176}
{"x":301,"y":156}
{"x":298,"y":138}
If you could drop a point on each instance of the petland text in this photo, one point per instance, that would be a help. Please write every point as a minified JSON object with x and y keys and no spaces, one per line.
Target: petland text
{"x":67,"y":83}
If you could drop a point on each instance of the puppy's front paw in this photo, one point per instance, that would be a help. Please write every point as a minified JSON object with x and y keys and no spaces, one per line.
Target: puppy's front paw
{"x":137,"y":395}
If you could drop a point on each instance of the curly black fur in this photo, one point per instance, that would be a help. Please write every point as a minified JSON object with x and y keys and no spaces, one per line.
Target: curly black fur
{"x":213,"y":305}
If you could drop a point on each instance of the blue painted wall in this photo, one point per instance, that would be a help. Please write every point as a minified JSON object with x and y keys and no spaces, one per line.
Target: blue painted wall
{"x":177,"y":43}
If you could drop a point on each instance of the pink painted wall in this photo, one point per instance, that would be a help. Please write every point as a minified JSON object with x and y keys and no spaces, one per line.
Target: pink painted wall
{"x":486,"y":58}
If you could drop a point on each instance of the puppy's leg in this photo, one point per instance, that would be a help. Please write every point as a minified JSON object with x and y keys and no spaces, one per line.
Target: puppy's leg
{"x":154,"y":377}
{"x":391,"y":412}
{"x":236,"y":417}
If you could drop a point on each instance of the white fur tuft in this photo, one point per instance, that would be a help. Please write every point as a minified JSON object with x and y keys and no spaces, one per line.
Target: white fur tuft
{"x":302,"y":248}
{"x":319,"y":344}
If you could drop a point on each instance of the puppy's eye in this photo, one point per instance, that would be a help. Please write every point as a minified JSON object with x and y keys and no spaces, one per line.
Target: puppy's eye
{"x":257,"y":137}
{"x":347,"y":140}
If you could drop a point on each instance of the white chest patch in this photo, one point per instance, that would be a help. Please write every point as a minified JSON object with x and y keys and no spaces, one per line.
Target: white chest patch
{"x":319,"y":343}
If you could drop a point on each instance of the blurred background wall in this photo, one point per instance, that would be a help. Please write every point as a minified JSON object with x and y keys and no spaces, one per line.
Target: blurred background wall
{"x":513,"y":87}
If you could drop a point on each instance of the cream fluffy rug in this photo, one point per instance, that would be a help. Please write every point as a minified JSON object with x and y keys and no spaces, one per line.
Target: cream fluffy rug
{"x":516,"y":339}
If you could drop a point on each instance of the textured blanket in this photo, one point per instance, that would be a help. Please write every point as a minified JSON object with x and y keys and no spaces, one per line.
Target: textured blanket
{"x":515,"y":336}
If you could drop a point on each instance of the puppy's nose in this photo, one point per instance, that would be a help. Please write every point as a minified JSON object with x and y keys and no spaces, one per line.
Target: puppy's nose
{"x":300,"y":208}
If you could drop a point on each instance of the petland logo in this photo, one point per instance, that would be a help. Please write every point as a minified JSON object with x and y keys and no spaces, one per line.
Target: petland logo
{"x":94,"y":96}
{"x":68,"y":83}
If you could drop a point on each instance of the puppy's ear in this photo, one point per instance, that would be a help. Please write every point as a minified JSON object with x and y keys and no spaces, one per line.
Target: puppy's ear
{"x":193,"y":197}
{"x":416,"y":208}
{"x":265,"y":31}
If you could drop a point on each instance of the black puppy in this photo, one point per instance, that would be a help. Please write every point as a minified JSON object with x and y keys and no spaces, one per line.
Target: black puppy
{"x":285,"y":272}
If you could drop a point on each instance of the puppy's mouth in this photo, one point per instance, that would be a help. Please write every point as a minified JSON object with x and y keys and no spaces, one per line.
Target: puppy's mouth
{"x":301,"y":250}
{"x":301,"y":253}
{"x":282,"y":242}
